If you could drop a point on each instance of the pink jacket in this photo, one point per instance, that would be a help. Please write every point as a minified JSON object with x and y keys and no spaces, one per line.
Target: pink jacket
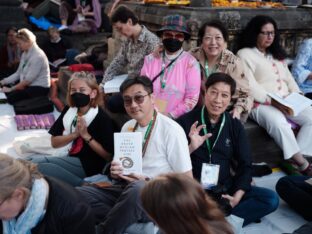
{"x":181,"y":92}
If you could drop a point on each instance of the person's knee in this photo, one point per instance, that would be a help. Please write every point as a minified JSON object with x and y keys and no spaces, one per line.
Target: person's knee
{"x":136,"y":186}
{"x":133,"y":190}
{"x":272,"y":200}
{"x":282,"y":185}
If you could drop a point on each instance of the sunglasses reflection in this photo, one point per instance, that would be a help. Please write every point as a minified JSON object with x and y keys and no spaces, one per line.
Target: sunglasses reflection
{"x":138,"y":99}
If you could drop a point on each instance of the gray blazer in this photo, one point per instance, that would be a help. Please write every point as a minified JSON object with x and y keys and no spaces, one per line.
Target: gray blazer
{"x":33,"y":67}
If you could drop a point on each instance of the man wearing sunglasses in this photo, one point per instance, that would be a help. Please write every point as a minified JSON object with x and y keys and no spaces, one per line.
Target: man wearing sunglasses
{"x":175,"y":73}
{"x":165,"y":150}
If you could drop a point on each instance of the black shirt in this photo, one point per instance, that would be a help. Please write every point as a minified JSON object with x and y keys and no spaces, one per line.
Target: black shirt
{"x":67,"y":212}
{"x":102,"y":130}
{"x":57,"y":50}
{"x":231,"y":151}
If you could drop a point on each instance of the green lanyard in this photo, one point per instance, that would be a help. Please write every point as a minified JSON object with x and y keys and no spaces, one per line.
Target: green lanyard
{"x":205,"y":131}
{"x":74,"y":123}
{"x":24,"y":65}
{"x":148,"y":131}
{"x":207,"y":72}
{"x":164,"y":67}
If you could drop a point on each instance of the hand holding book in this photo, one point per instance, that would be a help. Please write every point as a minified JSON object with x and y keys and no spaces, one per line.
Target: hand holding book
{"x":284,"y":109}
{"x":292,"y":104}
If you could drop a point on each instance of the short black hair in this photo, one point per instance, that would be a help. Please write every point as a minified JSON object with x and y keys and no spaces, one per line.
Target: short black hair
{"x":214,"y":24}
{"x":122,"y":14}
{"x":142,"y":80}
{"x":221,"y":77}
{"x":12,"y":28}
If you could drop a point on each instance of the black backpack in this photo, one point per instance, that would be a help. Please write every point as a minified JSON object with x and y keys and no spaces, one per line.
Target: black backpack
{"x":36,"y":105}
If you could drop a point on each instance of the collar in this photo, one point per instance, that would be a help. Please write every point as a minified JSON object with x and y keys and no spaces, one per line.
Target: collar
{"x":173,"y":56}
{"x":199,"y":54}
{"x":207,"y":119}
{"x":143,"y":33}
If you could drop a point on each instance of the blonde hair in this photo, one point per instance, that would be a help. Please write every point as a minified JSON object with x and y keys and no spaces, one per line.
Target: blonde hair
{"x":90,"y":80}
{"x":179,"y":205}
{"x":26,"y":35}
{"x":16,"y":173}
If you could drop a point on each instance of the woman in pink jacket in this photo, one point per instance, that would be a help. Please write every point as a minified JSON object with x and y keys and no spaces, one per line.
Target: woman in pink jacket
{"x":175,"y":73}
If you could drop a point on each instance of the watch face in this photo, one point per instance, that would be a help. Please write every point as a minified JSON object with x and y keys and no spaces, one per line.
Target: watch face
{"x":126,"y":162}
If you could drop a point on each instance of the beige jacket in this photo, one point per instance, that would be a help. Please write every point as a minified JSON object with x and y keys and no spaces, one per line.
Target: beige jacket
{"x":231,"y":65}
{"x":266,"y":75}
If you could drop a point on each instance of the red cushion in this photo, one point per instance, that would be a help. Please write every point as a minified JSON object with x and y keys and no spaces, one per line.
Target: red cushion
{"x":81,"y":67}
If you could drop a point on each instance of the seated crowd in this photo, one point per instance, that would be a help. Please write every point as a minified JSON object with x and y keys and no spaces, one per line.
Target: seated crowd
{"x":190,"y":108}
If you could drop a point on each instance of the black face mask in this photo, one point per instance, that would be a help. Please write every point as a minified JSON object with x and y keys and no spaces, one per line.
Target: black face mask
{"x":172,"y":45}
{"x":80,"y":99}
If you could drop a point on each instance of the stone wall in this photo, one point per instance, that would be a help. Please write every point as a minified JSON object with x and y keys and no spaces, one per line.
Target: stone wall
{"x":295,"y":24}
{"x":10,"y":15}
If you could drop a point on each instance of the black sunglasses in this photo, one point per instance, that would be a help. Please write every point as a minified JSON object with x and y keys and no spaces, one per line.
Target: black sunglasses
{"x":138,"y":99}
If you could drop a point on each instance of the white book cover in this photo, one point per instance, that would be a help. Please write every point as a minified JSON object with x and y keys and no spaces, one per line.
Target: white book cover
{"x":295,"y":102}
{"x":128,"y":151}
{"x":113,"y":85}
{"x":57,"y":62}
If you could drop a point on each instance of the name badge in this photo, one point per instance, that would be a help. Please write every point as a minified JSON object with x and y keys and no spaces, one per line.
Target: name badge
{"x":209,"y":175}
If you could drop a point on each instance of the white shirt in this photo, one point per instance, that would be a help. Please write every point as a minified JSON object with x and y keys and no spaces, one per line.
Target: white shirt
{"x":167,"y":150}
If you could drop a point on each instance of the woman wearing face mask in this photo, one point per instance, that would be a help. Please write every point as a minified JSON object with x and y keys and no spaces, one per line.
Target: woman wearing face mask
{"x":84,"y":129}
{"x":175,"y":73}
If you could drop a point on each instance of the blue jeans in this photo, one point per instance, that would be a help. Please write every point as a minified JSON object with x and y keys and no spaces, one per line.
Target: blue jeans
{"x":68,"y":169}
{"x":255,"y":204}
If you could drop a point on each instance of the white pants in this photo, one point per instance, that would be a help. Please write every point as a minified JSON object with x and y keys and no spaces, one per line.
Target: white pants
{"x":275,"y":122}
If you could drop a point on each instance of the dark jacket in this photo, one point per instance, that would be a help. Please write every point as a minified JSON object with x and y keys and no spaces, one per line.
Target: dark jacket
{"x":231,"y":151}
{"x":102,"y":130}
{"x":67,"y":212}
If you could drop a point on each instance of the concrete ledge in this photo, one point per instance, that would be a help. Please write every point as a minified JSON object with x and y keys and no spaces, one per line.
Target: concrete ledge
{"x":263,"y":147}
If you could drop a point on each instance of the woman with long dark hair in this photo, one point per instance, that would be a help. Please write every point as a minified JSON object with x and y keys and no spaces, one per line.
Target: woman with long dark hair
{"x":266,"y":68}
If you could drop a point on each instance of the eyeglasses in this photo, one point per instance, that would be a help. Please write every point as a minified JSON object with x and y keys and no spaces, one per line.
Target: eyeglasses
{"x":268,"y":33}
{"x":179,"y":36}
{"x":138,"y":99}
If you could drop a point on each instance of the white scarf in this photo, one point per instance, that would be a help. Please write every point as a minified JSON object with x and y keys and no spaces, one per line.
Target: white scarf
{"x":34,"y":212}
{"x":71,"y":114}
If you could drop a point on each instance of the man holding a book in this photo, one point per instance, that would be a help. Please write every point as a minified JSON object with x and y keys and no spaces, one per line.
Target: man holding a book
{"x":164,"y":150}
